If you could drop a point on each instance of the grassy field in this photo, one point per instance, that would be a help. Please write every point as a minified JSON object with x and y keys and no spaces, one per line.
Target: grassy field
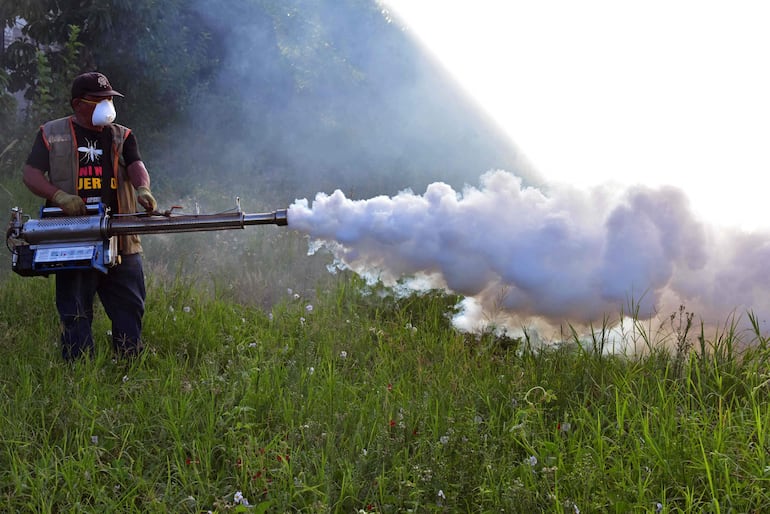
{"x":348,"y":399}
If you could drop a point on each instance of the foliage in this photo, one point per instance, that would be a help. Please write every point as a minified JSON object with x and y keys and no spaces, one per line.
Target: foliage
{"x":51,"y":91}
{"x":48,"y":97}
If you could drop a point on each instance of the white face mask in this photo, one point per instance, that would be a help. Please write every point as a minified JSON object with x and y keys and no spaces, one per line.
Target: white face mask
{"x":104,"y":113}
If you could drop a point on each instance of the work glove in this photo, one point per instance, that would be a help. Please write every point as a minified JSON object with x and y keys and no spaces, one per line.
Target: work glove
{"x":145,"y":198}
{"x":72,"y":205}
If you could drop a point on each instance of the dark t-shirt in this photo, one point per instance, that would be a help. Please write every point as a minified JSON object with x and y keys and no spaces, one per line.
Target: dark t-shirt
{"x":96,"y":178}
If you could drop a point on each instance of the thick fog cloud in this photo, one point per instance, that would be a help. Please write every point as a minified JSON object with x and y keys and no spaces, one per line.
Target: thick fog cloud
{"x":569,"y":255}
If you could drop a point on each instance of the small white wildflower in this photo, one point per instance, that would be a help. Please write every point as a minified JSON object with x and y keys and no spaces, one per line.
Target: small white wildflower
{"x":170,"y":308}
{"x":364,"y":452}
{"x":575,"y":508}
{"x":444,"y":439}
{"x":253,"y":344}
{"x":309,"y":308}
{"x":94,"y":439}
{"x":658,"y":507}
{"x":186,"y":308}
{"x":532,"y":461}
{"x":441,"y":494}
{"x":270,"y":316}
{"x":243,"y":320}
{"x":125,"y":378}
{"x":238,"y":498}
{"x":301,"y":321}
{"x":296,"y":296}
{"x":310,"y":370}
{"x":109,"y":333}
{"x":343,"y":354}
{"x":289,"y":291}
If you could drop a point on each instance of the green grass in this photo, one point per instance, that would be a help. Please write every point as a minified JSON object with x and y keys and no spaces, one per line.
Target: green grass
{"x":368,"y":402}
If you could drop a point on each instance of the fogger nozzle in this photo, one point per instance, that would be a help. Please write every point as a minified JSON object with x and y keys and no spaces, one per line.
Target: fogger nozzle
{"x":278,"y":217}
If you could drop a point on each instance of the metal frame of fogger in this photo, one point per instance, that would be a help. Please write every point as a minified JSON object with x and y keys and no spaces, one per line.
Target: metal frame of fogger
{"x":56,"y":242}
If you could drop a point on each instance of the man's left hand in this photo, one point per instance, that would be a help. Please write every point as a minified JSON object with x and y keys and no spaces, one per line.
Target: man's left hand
{"x":145,"y":198}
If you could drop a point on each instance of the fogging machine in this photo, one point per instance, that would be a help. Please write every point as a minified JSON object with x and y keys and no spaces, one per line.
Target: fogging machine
{"x":57,"y":242}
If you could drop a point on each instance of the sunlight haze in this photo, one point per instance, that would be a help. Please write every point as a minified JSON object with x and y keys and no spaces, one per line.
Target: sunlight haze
{"x":603,"y":91}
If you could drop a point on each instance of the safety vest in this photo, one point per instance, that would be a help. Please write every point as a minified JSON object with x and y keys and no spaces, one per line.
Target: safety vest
{"x":59,"y":138}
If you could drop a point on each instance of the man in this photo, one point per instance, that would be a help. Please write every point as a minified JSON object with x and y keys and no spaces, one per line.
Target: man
{"x":82,"y":158}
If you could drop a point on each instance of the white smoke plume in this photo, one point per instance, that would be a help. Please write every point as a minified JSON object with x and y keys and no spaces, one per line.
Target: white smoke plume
{"x":519,"y":255}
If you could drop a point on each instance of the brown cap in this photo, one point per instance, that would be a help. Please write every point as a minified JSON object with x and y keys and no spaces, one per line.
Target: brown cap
{"x":92,"y":84}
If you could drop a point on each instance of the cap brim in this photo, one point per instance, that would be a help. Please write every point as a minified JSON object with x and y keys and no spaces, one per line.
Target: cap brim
{"x":104,"y":94}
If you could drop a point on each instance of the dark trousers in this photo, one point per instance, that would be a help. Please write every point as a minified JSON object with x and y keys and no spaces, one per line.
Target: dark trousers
{"x":122,"y":294}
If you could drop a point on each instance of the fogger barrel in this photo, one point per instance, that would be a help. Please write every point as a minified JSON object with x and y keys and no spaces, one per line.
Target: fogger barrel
{"x":57,"y":243}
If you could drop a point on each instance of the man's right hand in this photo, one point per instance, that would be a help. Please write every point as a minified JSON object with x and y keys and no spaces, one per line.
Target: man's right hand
{"x":72,"y":205}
